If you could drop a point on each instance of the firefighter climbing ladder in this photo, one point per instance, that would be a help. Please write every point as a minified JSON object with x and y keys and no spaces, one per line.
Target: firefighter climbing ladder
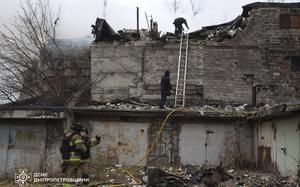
{"x":181,"y":74}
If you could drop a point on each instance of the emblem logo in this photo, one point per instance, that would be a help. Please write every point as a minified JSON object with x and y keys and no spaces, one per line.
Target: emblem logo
{"x":22,"y":177}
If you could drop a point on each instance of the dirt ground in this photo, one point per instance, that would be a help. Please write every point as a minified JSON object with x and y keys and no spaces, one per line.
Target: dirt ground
{"x":177,"y":176}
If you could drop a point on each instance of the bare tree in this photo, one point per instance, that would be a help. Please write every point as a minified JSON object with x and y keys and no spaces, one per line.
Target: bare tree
{"x":26,"y":64}
{"x":178,"y":5}
{"x":174,"y":5}
{"x":196,"y":6}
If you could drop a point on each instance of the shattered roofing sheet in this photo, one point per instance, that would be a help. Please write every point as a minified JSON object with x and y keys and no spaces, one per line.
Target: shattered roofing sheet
{"x":220,"y":32}
{"x":103,"y":31}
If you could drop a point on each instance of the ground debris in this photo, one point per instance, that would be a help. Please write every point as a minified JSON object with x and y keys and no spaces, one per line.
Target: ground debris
{"x":204,"y":176}
{"x":182,"y":176}
{"x":161,"y":178}
{"x":256,"y":178}
{"x":188,"y":175}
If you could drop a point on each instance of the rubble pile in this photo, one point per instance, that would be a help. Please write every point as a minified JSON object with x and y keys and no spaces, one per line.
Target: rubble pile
{"x":257,"y":178}
{"x":206,"y":110}
{"x":215,"y":176}
{"x":215,"y":33}
{"x":126,"y":106}
{"x":244,"y":110}
{"x":218,"y":33}
{"x":187,"y":176}
{"x":133,"y":105}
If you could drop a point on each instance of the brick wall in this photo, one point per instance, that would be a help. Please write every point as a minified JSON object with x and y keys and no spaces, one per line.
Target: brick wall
{"x":263,"y":50}
{"x":135,"y":71}
{"x":217,"y":71}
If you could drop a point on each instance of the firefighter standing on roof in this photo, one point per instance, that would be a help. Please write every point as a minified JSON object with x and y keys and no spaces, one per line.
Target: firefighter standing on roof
{"x":165,"y":89}
{"x":178,"y":25}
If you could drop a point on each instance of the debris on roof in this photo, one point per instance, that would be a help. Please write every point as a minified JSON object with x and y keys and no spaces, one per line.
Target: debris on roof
{"x":214,"y":33}
{"x":103,"y":31}
{"x":220,"y":32}
{"x":244,"y":111}
{"x":129,"y":34}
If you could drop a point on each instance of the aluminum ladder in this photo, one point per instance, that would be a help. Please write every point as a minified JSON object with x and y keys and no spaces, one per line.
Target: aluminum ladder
{"x":181,"y":74}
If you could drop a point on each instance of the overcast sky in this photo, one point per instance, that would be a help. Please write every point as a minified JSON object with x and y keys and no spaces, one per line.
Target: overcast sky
{"x":78,"y":15}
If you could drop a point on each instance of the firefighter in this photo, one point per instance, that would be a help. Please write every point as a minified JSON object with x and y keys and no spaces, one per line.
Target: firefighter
{"x":71,"y":149}
{"x":165,"y":89}
{"x":178,"y":25}
{"x":85,"y":155}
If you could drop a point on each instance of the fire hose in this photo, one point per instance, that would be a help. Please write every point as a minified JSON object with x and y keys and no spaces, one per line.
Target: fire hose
{"x":128,"y":171}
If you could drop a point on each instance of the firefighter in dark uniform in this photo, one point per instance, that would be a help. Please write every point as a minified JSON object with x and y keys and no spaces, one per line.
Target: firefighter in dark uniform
{"x":178,"y":25}
{"x":165,"y":89}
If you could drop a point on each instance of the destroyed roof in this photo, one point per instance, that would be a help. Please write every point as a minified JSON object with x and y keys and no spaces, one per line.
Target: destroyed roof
{"x":277,"y":111}
{"x":135,"y":109}
{"x":103,"y":31}
{"x":215,"y":33}
{"x":219,"y":32}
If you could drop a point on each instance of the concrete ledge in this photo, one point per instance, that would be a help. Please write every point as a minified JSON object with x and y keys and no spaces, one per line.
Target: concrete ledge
{"x":31,"y":114}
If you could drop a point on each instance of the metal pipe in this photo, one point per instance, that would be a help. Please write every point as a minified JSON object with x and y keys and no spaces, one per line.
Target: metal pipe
{"x":147,"y":20}
{"x":137,"y":23}
{"x":253,"y":94}
{"x":151,"y":28}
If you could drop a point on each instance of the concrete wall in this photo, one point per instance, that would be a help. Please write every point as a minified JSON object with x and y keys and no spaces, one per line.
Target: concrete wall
{"x":26,"y":150}
{"x":30,"y":139}
{"x":34,"y":143}
{"x":116,"y":71}
{"x":29,"y":145}
{"x":278,"y":146}
{"x":121,"y":72}
{"x":217,"y":71}
{"x":216,"y":142}
{"x":288,"y":145}
{"x":121,"y":142}
{"x":55,"y":132}
{"x":127,"y":141}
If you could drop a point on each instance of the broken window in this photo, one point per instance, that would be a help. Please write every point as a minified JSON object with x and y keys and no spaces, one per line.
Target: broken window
{"x":295,"y":63}
{"x":289,"y":21}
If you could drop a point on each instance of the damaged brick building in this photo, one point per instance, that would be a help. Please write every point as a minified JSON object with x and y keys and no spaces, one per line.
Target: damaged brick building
{"x":260,"y":48}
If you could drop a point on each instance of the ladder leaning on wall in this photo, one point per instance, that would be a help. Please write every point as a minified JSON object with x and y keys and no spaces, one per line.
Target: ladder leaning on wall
{"x":181,"y":74}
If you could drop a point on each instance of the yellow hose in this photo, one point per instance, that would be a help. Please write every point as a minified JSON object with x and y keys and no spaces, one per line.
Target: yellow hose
{"x":152,"y":147}
{"x":156,"y":139}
